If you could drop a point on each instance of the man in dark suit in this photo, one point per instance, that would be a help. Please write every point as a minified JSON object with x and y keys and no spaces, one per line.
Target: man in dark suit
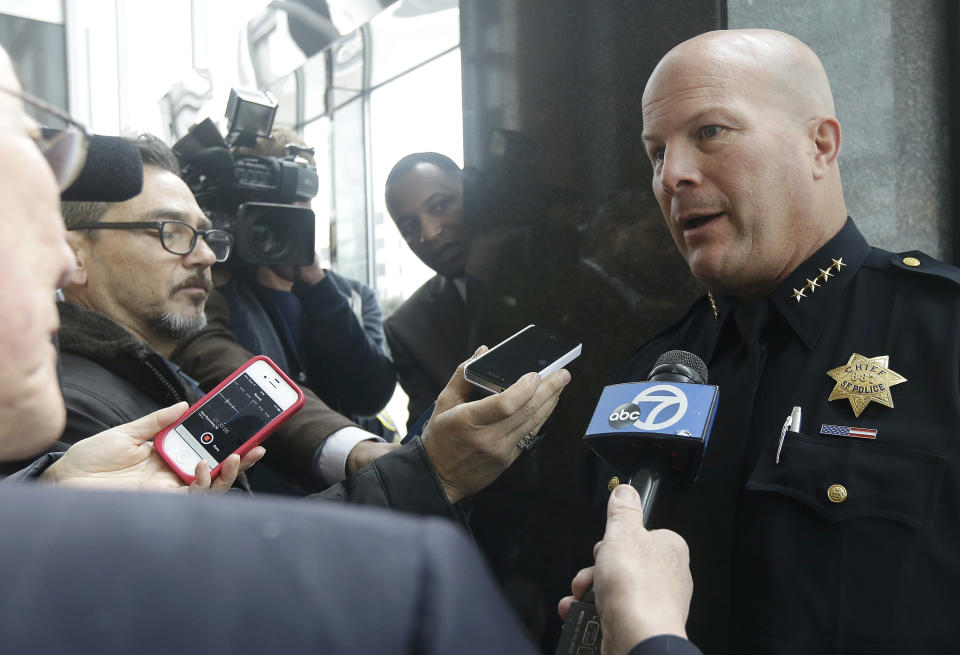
{"x":430,"y":333}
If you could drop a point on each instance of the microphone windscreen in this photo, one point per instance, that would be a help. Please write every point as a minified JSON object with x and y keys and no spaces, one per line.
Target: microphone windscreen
{"x":113,"y":172}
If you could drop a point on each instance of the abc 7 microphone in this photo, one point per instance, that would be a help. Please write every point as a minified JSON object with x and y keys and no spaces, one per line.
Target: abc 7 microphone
{"x":646,"y":430}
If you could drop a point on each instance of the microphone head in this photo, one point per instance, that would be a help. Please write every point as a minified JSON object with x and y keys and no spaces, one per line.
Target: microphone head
{"x":113,"y":172}
{"x":679,"y":366}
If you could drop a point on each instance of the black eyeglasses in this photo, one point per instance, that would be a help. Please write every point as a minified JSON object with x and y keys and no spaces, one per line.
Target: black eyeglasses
{"x":176,"y":237}
{"x":63,"y":141}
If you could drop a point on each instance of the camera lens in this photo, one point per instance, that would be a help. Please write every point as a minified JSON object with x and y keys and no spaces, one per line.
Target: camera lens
{"x":272,"y":239}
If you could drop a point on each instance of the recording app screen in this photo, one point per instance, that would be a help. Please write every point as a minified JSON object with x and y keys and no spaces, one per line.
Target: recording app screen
{"x":228,"y":419}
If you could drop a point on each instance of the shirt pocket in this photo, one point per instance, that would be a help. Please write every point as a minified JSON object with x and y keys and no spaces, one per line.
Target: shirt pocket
{"x":877,"y":480}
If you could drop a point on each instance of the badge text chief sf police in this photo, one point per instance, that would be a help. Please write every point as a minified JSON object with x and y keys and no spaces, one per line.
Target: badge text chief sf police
{"x":664,"y":399}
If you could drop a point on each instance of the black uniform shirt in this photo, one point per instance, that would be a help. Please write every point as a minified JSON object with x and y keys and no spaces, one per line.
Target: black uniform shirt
{"x":785,"y":560}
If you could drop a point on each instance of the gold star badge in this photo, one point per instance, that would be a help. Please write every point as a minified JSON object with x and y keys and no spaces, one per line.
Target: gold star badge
{"x":865,"y":379}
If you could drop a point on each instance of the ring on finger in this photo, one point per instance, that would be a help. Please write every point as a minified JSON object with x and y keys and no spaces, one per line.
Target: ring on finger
{"x":529,"y":440}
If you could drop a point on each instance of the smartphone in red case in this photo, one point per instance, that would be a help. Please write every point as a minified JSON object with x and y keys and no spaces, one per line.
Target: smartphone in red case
{"x":236,"y":416}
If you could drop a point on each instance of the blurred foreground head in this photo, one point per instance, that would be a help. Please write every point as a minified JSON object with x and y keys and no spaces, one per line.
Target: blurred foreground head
{"x":36,"y":261}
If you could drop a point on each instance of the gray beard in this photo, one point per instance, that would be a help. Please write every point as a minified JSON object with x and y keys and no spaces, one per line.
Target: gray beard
{"x":177,"y":326}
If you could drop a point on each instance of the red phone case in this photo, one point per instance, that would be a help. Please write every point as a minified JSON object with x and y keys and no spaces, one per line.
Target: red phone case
{"x":253,"y":441}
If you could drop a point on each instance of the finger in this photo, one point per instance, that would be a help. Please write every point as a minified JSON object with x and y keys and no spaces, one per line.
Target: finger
{"x":506,"y":404}
{"x":563,"y":607}
{"x":624,"y":511}
{"x":539,"y":408}
{"x":228,"y":473}
{"x":252,"y":457}
{"x":458,"y":389}
{"x":596,"y":549}
{"x":582,"y":582}
{"x":201,"y":478}
{"x":146,"y":427}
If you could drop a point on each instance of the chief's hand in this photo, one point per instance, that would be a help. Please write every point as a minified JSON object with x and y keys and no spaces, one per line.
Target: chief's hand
{"x":124,"y":458}
{"x":641,"y":578}
{"x":365,"y":452}
{"x":471,"y":443}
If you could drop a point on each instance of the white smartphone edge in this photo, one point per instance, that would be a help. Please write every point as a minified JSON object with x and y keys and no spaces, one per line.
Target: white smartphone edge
{"x":555,"y":366}
{"x":184,"y":455}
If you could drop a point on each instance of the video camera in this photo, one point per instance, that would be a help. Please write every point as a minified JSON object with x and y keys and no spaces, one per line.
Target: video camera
{"x":250,"y":196}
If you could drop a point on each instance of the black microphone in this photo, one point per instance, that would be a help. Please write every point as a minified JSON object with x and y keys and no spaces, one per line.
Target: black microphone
{"x":113,"y":172}
{"x":665,"y":454}
{"x":646,"y":430}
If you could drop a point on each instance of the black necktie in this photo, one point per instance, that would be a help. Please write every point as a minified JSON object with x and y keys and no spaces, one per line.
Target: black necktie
{"x":714,"y":500}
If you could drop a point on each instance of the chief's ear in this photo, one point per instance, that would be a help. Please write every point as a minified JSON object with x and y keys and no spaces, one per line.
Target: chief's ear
{"x":80,"y":244}
{"x":826,"y":139}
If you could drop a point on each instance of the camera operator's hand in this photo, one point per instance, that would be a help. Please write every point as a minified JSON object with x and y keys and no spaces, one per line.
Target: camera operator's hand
{"x":124,"y":458}
{"x":641,"y":578}
{"x":471,"y":443}
{"x":309,"y":274}
{"x":365,"y":452}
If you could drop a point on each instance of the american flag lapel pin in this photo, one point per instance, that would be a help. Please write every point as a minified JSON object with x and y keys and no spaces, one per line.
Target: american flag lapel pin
{"x":847,"y":431}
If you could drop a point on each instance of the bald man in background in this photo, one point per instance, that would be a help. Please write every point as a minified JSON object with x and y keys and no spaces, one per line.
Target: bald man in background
{"x":836,"y":532}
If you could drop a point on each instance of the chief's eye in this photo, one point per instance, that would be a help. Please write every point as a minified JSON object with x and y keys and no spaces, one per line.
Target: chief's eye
{"x":710,"y":131}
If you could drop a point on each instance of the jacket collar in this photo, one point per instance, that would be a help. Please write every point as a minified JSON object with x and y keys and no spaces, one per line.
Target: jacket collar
{"x":808,"y":297}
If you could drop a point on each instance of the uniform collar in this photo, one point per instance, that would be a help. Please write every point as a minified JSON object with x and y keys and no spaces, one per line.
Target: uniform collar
{"x":807,"y":299}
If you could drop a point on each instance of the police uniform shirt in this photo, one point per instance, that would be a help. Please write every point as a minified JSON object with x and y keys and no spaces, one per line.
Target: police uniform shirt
{"x":850,"y":544}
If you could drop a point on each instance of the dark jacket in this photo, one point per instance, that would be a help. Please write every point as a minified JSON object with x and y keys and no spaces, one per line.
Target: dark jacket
{"x":330,"y":352}
{"x":428,"y":335}
{"x":164,"y":573}
{"x":109,"y":377}
{"x":839,"y":544}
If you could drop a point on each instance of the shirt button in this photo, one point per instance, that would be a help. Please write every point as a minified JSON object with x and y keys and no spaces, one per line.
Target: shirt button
{"x":836,"y":493}
{"x":911,"y":261}
{"x":613,"y":483}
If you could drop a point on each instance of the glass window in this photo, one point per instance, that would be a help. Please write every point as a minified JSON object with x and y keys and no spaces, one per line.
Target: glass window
{"x":317,"y":135}
{"x":420,"y":111}
{"x":285,"y":91}
{"x":407,"y":34}
{"x":347,"y":57}
{"x":349,"y":222}
{"x":314,"y":90}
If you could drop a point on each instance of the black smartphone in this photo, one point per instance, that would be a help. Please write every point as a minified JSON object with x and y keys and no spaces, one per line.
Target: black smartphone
{"x":530,"y":349}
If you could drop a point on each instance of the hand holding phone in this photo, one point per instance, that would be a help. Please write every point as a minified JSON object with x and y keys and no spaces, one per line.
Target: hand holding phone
{"x":532,"y":349}
{"x":236,"y":416}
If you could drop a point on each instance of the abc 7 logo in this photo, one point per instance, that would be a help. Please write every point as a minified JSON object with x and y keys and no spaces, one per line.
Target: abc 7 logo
{"x":668,"y":405}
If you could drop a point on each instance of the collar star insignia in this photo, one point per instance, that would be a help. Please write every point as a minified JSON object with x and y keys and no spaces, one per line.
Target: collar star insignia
{"x":863,"y":380}
{"x":824,"y":274}
{"x":812,"y":284}
{"x":837,"y":264}
{"x":798,"y":294}
{"x":713,"y":305}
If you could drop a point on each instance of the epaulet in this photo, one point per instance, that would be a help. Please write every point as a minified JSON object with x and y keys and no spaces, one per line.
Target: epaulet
{"x":913,"y":262}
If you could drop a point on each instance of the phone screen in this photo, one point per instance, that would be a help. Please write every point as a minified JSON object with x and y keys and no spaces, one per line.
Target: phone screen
{"x":532,"y":350}
{"x":228,"y":419}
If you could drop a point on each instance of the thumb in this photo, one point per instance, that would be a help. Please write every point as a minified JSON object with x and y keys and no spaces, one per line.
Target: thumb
{"x":458,"y":389}
{"x":143,"y":429}
{"x":623,"y":510}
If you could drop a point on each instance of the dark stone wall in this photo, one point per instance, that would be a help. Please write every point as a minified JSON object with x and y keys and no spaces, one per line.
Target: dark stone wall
{"x":567,"y":235}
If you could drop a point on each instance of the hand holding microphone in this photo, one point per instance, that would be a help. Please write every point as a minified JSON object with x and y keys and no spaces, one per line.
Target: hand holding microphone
{"x":645,"y":430}
{"x":642,"y":578}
